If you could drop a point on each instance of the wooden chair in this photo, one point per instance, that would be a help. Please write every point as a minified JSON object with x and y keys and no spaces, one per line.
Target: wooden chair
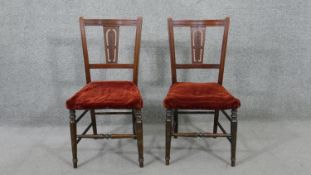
{"x":108,"y":94}
{"x":199,"y":98}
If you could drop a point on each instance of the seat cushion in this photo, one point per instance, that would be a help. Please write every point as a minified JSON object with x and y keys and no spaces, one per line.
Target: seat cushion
{"x":106,"y":94}
{"x":189,"y":95}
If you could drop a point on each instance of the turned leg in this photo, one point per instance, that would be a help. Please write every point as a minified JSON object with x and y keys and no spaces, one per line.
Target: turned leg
{"x":93,"y":121}
{"x":234,"y":123}
{"x":216,"y":116}
{"x":73,"y":134}
{"x":168,"y":136}
{"x":175,"y":122}
{"x":139,"y":136}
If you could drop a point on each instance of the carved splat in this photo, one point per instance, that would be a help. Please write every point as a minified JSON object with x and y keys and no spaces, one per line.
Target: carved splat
{"x":111,"y":38}
{"x":197,"y":43}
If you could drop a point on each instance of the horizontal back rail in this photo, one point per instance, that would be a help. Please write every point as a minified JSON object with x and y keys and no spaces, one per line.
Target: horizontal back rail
{"x":189,"y":23}
{"x":109,"y":22}
{"x":111,"y":66}
{"x":197,"y":66}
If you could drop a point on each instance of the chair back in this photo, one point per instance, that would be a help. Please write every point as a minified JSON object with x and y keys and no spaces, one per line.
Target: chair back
{"x":111,"y":43}
{"x":198,"y":28}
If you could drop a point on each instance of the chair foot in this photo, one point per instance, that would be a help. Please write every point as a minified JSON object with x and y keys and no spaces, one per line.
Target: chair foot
{"x":167,"y":161}
{"x":75,"y":163}
{"x":141,"y":162}
{"x":233,"y":163}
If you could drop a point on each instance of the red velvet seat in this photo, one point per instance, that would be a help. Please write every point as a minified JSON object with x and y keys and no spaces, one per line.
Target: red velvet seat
{"x":106,"y":94}
{"x":189,"y":95}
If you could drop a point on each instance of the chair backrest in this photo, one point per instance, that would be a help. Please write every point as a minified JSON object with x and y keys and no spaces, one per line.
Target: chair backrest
{"x":198,"y":28}
{"x":111,"y":42}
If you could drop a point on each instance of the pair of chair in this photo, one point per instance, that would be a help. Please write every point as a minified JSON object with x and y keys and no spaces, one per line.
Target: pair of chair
{"x":182,"y":98}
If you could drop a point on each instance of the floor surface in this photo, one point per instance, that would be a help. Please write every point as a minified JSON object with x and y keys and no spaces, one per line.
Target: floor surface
{"x":264,"y":147}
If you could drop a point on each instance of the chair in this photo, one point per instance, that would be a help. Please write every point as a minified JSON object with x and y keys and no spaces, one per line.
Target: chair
{"x":101,"y":95}
{"x":199,"y":98}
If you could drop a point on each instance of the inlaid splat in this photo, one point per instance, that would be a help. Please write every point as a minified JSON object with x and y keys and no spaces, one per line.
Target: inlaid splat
{"x":111,"y":38}
{"x":197,"y":43}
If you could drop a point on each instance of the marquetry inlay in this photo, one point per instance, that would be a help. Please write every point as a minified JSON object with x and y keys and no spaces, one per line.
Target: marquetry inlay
{"x":197,"y":43}
{"x":111,"y":38}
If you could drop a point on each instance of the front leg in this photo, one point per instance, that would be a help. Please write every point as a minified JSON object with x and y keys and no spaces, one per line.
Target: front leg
{"x":73,"y":134}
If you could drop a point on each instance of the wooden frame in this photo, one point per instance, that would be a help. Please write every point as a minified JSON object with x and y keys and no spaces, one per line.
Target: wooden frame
{"x":112,"y":64}
{"x":172,"y":114}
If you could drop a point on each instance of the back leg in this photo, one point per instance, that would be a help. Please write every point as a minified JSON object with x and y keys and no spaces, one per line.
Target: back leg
{"x":134,"y":122}
{"x":175,"y":122}
{"x":168,"y":136}
{"x":216,"y":116}
{"x":93,"y":118}
{"x":234,"y":126}
{"x":139,"y":136}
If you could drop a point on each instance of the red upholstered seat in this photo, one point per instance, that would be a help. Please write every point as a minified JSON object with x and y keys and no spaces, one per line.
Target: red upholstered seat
{"x":189,"y":95}
{"x":106,"y":94}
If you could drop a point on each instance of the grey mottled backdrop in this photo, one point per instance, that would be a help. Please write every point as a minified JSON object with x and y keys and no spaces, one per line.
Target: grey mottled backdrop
{"x":268,"y":63}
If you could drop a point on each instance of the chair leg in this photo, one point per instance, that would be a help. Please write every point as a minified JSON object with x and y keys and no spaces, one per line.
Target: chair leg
{"x":93,"y":121}
{"x":73,"y":134}
{"x":175,"y":122}
{"x":216,"y":116}
{"x":139,"y":136}
{"x":134,"y":122}
{"x":234,"y":124}
{"x":168,"y":136}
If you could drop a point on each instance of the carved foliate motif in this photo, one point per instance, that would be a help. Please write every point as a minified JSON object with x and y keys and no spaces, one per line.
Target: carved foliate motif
{"x":197,"y":43}
{"x":111,"y":38}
